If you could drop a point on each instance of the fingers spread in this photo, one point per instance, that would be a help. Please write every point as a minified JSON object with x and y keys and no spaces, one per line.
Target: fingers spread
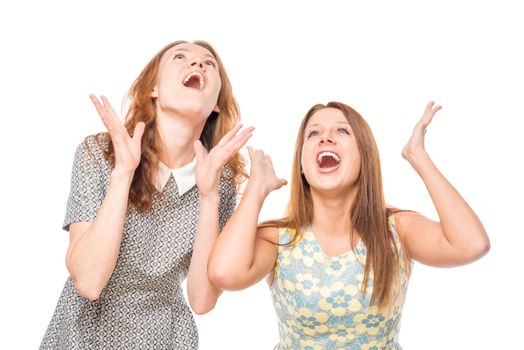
{"x":98,"y":105}
{"x":240,"y":140}
{"x":229,"y":135}
{"x":251,"y":152}
{"x":108,"y":116}
{"x":225,"y":150}
{"x":259,"y":153}
{"x":101,"y":111}
{"x":108,"y":107}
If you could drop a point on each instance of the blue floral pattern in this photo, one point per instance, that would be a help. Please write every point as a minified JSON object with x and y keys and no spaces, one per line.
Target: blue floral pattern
{"x":319,"y":303}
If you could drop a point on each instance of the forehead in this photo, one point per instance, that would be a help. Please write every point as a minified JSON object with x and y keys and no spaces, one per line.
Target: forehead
{"x":190,"y":48}
{"x":327,"y":116}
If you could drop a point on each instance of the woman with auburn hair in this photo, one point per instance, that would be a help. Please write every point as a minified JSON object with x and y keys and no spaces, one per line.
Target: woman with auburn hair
{"x":138,"y":224}
{"x":339,"y":262}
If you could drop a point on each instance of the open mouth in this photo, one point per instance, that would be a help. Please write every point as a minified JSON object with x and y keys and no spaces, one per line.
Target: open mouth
{"x":194,"y":80}
{"x":328,"y":159}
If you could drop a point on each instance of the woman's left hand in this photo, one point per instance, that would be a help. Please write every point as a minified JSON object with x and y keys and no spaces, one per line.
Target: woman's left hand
{"x":209,"y":165}
{"x":414,"y":148}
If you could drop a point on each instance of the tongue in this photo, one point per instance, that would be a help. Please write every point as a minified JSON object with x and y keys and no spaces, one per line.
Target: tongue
{"x":193,"y":83}
{"x":328,"y":162}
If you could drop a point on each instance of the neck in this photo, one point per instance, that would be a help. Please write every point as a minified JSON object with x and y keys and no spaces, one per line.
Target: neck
{"x":177,"y":135}
{"x":331,"y":213}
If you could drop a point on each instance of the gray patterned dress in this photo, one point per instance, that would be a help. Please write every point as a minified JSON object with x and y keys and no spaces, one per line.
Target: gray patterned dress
{"x":142,"y":305}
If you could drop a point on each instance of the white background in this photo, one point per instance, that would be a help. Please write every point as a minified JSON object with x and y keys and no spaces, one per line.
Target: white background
{"x":386,"y":59}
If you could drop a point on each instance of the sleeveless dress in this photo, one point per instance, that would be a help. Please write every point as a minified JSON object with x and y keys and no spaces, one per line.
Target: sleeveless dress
{"x":142,"y":305}
{"x":319,"y":303}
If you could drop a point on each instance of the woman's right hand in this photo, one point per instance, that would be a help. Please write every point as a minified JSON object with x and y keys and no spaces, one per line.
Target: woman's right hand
{"x":127,"y":148}
{"x":262,"y":173}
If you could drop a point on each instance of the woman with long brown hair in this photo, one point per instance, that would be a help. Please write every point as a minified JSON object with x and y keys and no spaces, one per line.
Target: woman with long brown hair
{"x":339,"y":262}
{"x":138,"y":224}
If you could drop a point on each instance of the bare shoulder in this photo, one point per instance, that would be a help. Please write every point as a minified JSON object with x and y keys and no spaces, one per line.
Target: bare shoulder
{"x":411,"y":222}
{"x":268,"y":233}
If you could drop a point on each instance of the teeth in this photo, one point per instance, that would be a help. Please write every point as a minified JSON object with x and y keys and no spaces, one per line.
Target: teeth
{"x":327,"y":153}
{"x":199,"y":76}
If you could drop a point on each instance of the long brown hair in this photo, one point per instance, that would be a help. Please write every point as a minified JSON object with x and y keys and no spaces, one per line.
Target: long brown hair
{"x":142,"y":109}
{"x":368,"y":214}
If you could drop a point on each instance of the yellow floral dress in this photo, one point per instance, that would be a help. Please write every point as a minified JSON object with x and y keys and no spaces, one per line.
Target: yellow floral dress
{"x":319,"y":303}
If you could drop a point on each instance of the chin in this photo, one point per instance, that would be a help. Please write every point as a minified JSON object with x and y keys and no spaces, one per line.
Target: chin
{"x":332,"y":186}
{"x":327,"y":187}
{"x":192,"y":109}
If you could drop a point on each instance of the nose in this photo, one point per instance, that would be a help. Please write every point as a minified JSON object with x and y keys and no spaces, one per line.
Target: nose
{"x":197,"y":61}
{"x":326,"y":139}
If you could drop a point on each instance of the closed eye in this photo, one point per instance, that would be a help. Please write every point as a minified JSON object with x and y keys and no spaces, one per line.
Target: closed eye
{"x":211,"y":63}
{"x":343,"y":131}
{"x":179,"y":56}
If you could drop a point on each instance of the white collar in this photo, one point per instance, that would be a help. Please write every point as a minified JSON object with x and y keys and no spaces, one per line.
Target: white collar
{"x":184,"y":177}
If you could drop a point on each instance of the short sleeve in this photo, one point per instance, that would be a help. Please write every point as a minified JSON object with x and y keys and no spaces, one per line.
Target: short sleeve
{"x":228,"y":198}
{"x":87,"y":184}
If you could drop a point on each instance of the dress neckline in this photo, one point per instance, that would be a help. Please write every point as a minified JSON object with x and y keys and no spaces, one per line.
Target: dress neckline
{"x":359,"y":247}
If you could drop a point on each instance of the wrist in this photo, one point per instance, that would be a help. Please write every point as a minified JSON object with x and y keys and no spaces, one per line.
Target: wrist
{"x":122,"y":175}
{"x":209,"y":198}
{"x":257,"y":189}
{"x":418,"y":160}
{"x":417,"y":156}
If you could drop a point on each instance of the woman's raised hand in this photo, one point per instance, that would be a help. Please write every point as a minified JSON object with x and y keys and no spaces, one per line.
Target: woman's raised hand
{"x":262,"y":172}
{"x":414,"y":148}
{"x":209,"y":165}
{"x":127,"y":148}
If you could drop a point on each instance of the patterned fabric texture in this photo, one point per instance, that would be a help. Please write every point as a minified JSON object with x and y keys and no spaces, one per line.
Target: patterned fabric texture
{"x":319,"y":303}
{"x":142,"y":305}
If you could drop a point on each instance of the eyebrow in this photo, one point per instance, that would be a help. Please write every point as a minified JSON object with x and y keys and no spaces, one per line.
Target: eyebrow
{"x":317,"y":124}
{"x":186,"y":50}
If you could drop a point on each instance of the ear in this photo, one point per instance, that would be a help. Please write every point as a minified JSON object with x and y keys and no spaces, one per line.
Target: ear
{"x":154,"y":92}
{"x":216,"y":108}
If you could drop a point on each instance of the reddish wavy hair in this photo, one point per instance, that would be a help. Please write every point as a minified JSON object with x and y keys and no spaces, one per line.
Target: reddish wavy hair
{"x":142,"y":109}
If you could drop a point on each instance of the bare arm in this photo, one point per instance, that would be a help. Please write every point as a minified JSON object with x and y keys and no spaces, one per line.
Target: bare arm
{"x":202,"y":294}
{"x":94,"y":246}
{"x":243,"y":254}
{"x":459,"y":238}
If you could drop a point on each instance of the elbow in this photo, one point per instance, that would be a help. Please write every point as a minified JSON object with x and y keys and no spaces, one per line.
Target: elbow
{"x":483,"y":247}
{"x":200,"y":301}
{"x":224,"y":279}
{"x":87,"y":290}
{"x":226,"y":275}
{"x":218,"y":277}
{"x":85,"y":285}
{"x":478,"y":249}
{"x":90,"y":295}
{"x":201,"y":307}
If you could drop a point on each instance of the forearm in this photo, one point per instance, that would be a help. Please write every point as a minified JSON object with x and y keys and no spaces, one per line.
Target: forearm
{"x":460,"y":225}
{"x":201,"y":293}
{"x":92,"y":257}
{"x":234,"y":251}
